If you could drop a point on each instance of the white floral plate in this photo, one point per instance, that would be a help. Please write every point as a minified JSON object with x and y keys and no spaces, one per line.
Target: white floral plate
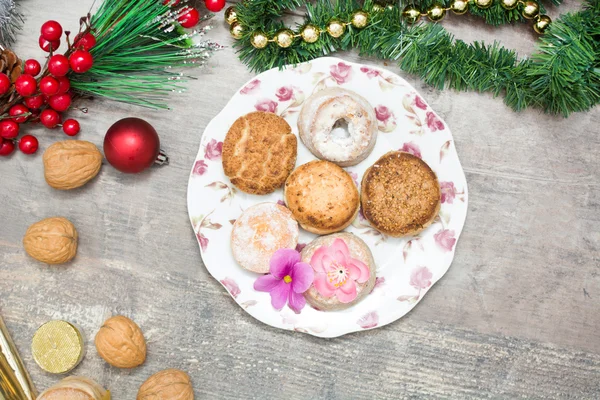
{"x":406,"y":268}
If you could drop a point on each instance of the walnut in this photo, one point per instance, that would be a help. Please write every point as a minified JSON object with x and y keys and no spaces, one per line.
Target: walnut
{"x":75,"y":387}
{"x":71,"y":163}
{"x":51,"y":241}
{"x":120,"y":342}
{"x":170,"y":384}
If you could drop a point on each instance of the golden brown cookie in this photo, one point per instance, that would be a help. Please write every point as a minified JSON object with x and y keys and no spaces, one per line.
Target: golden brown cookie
{"x":259,"y":152}
{"x":400,"y":194}
{"x":322,"y":197}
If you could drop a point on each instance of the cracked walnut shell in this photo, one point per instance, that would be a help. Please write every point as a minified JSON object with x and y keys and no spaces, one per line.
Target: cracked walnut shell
{"x":51,"y":240}
{"x":170,"y":384}
{"x":71,"y":163}
{"x":120,"y":342}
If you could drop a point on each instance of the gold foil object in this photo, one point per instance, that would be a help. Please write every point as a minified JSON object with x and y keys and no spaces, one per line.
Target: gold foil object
{"x":509,"y":4}
{"x":460,"y":7}
{"x":360,"y":19}
{"x":57,"y":347}
{"x":310,"y":33}
{"x":436,"y":13}
{"x":483,"y":4}
{"x":411,"y":14}
{"x":236,"y":30}
{"x":259,"y":40}
{"x":15,"y":383}
{"x":542,"y":23}
{"x":230,"y":15}
{"x":284,"y":38}
{"x":530,"y":9}
{"x":336,"y":28}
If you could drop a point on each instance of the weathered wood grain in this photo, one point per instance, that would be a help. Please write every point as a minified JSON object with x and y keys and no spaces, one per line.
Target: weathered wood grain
{"x":515,"y":317}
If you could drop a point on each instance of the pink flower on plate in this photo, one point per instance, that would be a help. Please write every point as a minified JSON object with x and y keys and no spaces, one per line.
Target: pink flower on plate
{"x":341,"y":72}
{"x":200,"y":168}
{"x":285,"y":93}
{"x":251,"y":87}
{"x":420,"y":103}
{"x":203,"y":241}
{"x":445,"y":239}
{"x":266,"y":105}
{"x":371,"y":72}
{"x":213,"y":150}
{"x":231,"y":287}
{"x":386,"y":118}
{"x":433,"y":122}
{"x":412,"y":148}
{"x":337,"y":272}
{"x":420,"y":278}
{"x":448,"y":192}
{"x":288,"y":279}
{"x":369,"y":320}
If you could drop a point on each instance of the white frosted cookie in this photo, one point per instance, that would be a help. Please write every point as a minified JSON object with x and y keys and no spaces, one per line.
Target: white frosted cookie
{"x":259,"y":232}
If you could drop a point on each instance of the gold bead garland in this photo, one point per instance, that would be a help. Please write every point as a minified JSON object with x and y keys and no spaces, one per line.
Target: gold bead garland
{"x":360,"y":19}
{"x":459,"y":7}
{"x":310,"y":33}
{"x":259,"y":40}
{"x":336,"y":28}
{"x":284,"y":38}
{"x":509,"y":4}
{"x":484,"y":4}
{"x":530,"y":9}
{"x":237,"y":30}
{"x":411,"y":14}
{"x":436,"y":13}
{"x":541,"y":24}
{"x":230,"y":15}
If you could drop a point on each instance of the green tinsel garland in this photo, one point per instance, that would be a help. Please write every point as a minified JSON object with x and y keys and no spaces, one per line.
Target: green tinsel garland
{"x":562,"y":77}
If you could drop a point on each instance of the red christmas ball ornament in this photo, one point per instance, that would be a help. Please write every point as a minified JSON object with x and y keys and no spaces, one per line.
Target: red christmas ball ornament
{"x":4,"y":83}
{"x":51,"y":30}
{"x":71,"y":127}
{"x":50,"y":118}
{"x":28,"y":144}
{"x":190,"y":18}
{"x":132,"y":145}
{"x":49,"y":86}
{"x":32,"y":67}
{"x":58,"y":65}
{"x":60,"y":102}
{"x":26,"y":85}
{"x":214,"y":5}
{"x":6,"y":147}
{"x":63,"y":84}
{"x":85,"y":42}
{"x":48,"y":46}
{"x":9,"y":129}
{"x":35,"y":102}
{"x":18,"y":109}
{"x":81,"y":61}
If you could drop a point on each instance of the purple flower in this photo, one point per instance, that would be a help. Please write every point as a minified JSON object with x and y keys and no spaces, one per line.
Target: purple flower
{"x":213,"y":150}
{"x":285,"y":93}
{"x":341,"y":72}
{"x":231,"y":287}
{"x":420,"y":103}
{"x":445,"y":239}
{"x":252,"y":87}
{"x":371,"y":73}
{"x":412,"y":148}
{"x":266,"y":105}
{"x":200,"y":167}
{"x":289,"y":278}
{"x":448,"y":192}
{"x":433,"y":122}
{"x":420,"y":278}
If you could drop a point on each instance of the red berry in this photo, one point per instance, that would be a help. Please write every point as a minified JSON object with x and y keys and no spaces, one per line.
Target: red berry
{"x":6,"y":147}
{"x":28,"y":144}
{"x":85,"y":42}
{"x":58,"y":65}
{"x":26,"y":85}
{"x":47,"y":46}
{"x":214,"y":5}
{"x":9,"y":129}
{"x":35,"y":102}
{"x":51,"y":30}
{"x":50,"y":118}
{"x":32,"y":67}
{"x":71,"y":127}
{"x":171,"y":3}
{"x":18,"y":109}
{"x":81,"y":61}
{"x":64,"y":84}
{"x":60,"y":102}
{"x":4,"y":83}
{"x":49,"y":86}
{"x":190,"y":18}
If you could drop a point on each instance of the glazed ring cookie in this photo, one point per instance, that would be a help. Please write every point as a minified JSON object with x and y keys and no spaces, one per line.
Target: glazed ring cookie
{"x":322,"y":197}
{"x":259,"y":152}
{"x":344,"y":271}
{"x":400,"y":194}
{"x":338,"y":125}
{"x":259,"y":232}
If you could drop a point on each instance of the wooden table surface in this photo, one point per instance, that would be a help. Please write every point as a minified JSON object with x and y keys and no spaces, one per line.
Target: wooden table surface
{"x":516,"y":316}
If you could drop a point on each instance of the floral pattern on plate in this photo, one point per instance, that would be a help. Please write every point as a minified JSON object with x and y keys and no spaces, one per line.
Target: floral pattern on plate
{"x":406,"y":267}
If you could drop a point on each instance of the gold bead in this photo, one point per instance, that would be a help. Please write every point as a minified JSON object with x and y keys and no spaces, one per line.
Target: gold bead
{"x":230,"y":15}
{"x":259,"y":40}
{"x":389,"y":7}
{"x":436,"y":13}
{"x":542,"y":24}
{"x":459,"y":7}
{"x":310,"y":33}
{"x":237,"y":30}
{"x":483,"y":4}
{"x":530,"y":9}
{"x":335,"y":28}
{"x":377,"y":8}
{"x":509,"y":4}
{"x":360,"y":19}
{"x":411,"y":14}
{"x":284,"y":38}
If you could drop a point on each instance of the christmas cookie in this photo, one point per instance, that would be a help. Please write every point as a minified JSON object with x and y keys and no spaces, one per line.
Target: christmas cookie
{"x":259,"y":152}
{"x":261,"y":231}
{"x":338,"y":125}
{"x":400,"y":194}
{"x":344,"y":271}
{"x":322,"y":197}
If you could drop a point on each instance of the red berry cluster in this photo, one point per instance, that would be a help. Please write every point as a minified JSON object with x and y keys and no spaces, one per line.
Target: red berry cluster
{"x":46,"y":98}
{"x":189,"y":17}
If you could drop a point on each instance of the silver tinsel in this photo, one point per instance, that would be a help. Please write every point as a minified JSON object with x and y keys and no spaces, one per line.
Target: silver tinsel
{"x":11,"y":21}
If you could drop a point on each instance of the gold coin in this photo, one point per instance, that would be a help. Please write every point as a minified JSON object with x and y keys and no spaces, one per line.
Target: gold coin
{"x":57,"y":347}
